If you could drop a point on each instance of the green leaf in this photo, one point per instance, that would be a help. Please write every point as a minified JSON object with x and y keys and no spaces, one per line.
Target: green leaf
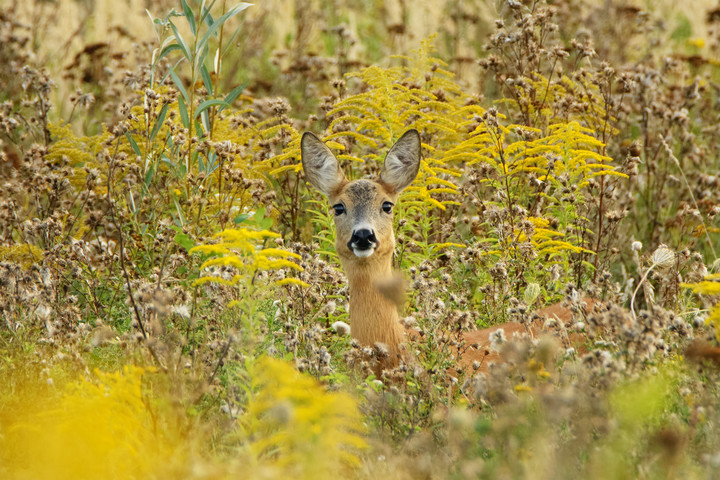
{"x":260,"y":220}
{"x":170,"y":70}
{"x":684,"y":29}
{"x":211,"y":164}
{"x":154,"y":20}
{"x":231,"y":41}
{"x":207,"y":81}
{"x":532,"y":292}
{"x":166,"y":160}
{"x":233,"y":95}
{"x":178,"y":83}
{"x":167,"y":49}
{"x":206,"y":16}
{"x":200,"y":60}
{"x":190,"y":16}
{"x":218,"y":23}
{"x":209,"y":103}
{"x":149,"y":176}
{"x":133,"y":144}
{"x":184,"y":240}
{"x":178,"y":209}
{"x":241,"y":218}
{"x":184,"y":117}
{"x":159,"y":122}
{"x":205,"y":119}
{"x":181,"y":42}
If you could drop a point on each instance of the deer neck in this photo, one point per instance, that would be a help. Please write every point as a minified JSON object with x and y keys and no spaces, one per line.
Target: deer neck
{"x":373,"y":317}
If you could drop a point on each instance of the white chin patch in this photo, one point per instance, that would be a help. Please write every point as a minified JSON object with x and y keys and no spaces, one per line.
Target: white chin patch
{"x":363,"y":253}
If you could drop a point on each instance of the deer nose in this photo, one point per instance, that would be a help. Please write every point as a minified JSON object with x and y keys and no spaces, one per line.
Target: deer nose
{"x":362,"y":239}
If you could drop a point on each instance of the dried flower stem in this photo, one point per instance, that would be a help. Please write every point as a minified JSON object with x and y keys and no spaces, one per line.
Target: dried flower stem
{"x":640,"y":283}
{"x":121,"y":253}
{"x":687,"y":185}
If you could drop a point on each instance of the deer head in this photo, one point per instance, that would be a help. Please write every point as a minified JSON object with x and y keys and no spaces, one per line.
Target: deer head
{"x":363,"y":208}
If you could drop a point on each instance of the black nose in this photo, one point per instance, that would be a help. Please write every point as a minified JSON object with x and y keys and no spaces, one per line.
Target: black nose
{"x":362,"y":239}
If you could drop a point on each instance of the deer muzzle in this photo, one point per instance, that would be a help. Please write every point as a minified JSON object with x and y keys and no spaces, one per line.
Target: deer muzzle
{"x":363,"y":242}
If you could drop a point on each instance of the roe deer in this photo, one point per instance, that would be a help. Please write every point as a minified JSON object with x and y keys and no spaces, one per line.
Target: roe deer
{"x":365,"y":243}
{"x":364,"y":238}
{"x":479,"y":341}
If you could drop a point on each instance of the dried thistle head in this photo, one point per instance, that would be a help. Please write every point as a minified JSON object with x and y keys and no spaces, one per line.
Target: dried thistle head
{"x":663,"y":257}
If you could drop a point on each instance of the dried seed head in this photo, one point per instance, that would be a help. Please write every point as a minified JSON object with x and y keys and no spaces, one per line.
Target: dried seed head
{"x":663,"y":257}
{"x":341,"y":328}
{"x":497,"y":339}
{"x":329,"y":308}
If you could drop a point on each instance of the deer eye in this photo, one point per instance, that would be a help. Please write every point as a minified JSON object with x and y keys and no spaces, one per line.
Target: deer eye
{"x":387,"y":207}
{"x":339,"y":209}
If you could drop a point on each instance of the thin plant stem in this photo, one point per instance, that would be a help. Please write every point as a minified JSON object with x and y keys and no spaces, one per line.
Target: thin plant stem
{"x":687,"y":185}
{"x":642,"y":280}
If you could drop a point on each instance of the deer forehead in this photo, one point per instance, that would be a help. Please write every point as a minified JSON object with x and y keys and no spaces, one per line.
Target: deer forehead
{"x":363,"y":193}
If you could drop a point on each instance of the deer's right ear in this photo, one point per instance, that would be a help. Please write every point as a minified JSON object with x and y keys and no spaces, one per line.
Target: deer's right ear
{"x":321,"y":167}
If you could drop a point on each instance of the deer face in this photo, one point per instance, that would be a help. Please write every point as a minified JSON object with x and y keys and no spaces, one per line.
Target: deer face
{"x":363,"y":208}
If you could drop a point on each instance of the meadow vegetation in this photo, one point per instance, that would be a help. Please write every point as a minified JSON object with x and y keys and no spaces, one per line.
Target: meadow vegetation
{"x":172,"y":305}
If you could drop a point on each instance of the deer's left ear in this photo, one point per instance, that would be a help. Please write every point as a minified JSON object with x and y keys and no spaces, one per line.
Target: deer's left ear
{"x":402,"y":162}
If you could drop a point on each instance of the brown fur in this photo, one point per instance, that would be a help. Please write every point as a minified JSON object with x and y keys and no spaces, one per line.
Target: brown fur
{"x":479,"y":340}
